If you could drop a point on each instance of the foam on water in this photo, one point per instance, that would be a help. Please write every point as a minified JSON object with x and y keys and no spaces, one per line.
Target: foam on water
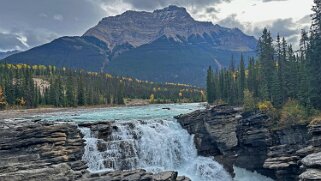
{"x":155,"y":146}
{"x":245,"y":175}
{"x":148,"y":137}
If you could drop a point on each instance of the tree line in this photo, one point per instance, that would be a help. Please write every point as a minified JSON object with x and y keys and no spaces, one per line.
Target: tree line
{"x":278,"y":73}
{"x":33,"y":86}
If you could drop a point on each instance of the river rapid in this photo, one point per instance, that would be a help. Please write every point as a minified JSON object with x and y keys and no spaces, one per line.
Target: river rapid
{"x":148,"y":137}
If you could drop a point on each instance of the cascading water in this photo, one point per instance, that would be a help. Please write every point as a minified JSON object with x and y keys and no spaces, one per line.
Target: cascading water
{"x":152,"y":145}
{"x":156,"y":142}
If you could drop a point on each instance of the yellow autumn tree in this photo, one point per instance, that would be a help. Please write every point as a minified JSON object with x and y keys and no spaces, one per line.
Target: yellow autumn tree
{"x":249,"y":101}
{"x":3,"y":102}
{"x":21,"y":102}
{"x":151,"y":98}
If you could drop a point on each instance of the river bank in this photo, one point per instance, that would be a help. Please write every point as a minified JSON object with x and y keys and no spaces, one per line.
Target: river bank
{"x":28,"y":113}
{"x":22,"y":113}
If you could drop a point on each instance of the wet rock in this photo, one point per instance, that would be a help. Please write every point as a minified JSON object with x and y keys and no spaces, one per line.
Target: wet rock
{"x":312,"y":160}
{"x":311,"y":174}
{"x":165,"y":176}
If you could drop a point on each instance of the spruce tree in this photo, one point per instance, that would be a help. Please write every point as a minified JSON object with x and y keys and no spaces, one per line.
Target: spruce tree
{"x":210,"y":86}
{"x":70,"y":93}
{"x":266,"y":56}
{"x":314,"y":61}
{"x":3,"y":102}
{"x":241,"y":80}
{"x":280,"y":69}
{"x":81,"y":94}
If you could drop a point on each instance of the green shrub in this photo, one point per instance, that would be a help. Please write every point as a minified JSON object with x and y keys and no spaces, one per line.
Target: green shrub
{"x":293,"y":113}
{"x":267,"y":107}
{"x":316,"y":121}
{"x":249,"y":101}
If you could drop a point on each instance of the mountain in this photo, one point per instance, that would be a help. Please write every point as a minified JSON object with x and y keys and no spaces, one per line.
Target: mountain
{"x":7,"y":54}
{"x":166,"y":45}
{"x":86,"y":53}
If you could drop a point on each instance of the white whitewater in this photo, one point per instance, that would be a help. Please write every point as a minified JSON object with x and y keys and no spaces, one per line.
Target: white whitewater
{"x":245,"y":175}
{"x":156,"y":143}
{"x":155,"y":146}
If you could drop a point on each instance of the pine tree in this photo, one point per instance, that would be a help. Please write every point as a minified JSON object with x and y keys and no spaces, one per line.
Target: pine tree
{"x":266,"y":55}
{"x":303,"y":74}
{"x":81,"y":94}
{"x":241,"y":80}
{"x":3,"y":102}
{"x":280,"y":69}
{"x":70,"y":93}
{"x":210,"y":86}
{"x":314,"y":61}
{"x":249,"y":101}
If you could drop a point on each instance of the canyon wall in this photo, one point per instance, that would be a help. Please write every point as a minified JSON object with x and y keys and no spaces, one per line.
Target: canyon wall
{"x":251,"y":141}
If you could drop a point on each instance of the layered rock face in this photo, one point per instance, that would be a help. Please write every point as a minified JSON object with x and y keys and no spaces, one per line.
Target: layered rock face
{"x":232,"y":139}
{"x":40,"y":151}
{"x":215,"y":132}
{"x":32,"y":150}
{"x":248,"y":140}
{"x":311,"y":163}
{"x":140,"y":28}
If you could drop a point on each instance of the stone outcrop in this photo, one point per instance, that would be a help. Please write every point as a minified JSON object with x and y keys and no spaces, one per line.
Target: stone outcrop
{"x":311,"y":163}
{"x":134,"y":175}
{"x":250,"y":141}
{"x":231,"y":138}
{"x":36,"y":150}
{"x":40,"y":151}
{"x":289,"y":146}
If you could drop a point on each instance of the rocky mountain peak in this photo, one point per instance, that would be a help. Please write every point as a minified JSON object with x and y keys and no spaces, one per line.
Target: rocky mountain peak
{"x":139,"y":28}
{"x":136,"y":28}
{"x":173,"y":12}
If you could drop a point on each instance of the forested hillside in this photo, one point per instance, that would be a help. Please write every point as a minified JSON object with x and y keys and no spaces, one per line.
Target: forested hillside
{"x":32,"y":86}
{"x":280,"y":77}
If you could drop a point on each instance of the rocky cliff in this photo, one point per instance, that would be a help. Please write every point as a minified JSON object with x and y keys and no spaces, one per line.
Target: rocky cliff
{"x":248,"y":140}
{"x":32,"y":150}
{"x":139,"y":28}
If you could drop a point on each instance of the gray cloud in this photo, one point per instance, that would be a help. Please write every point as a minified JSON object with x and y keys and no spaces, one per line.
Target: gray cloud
{"x":231,"y":22}
{"x":152,"y":4}
{"x":265,"y":1}
{"x":305,"y":20}
{"x":40,"y":21}
{"x":212,"y":10}
{"x":11,"y":42}
{"x":287,"y":28}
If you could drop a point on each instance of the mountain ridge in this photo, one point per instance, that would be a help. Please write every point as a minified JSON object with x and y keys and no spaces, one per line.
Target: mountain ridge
{"x":4,"y":54}
{"x":139,"y":28}
{"x":133,"y":43}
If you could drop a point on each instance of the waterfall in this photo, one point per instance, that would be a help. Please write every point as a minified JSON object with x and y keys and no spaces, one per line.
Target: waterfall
{"x":155,"y":146}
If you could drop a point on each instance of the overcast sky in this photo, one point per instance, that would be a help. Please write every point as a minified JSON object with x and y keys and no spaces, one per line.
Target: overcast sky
{"x":28,"y":23}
